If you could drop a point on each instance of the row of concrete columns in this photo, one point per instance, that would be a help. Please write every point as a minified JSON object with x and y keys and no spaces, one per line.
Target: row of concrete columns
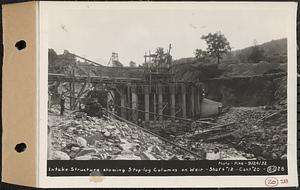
{"x":189,"y":101}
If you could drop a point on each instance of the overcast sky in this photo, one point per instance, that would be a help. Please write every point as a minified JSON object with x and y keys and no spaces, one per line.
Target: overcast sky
{"x":95,"y":34}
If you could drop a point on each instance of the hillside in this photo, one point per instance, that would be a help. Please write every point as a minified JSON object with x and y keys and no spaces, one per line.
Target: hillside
{"x":236,"y":63}
{"x":273,"y":51}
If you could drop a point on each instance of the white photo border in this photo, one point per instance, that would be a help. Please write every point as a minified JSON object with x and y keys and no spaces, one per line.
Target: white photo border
{"x":155,"y":181}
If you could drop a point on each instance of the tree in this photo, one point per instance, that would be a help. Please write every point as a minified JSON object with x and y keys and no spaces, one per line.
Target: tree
{"x":60,"y":63}
{"x":201,"y":55}
{"x":257,"y":54}
{"x":132,"y":64}
{"x":116,"y":63}
{"x":160,"y":55}
{"x":217,"y":45}
{"x":52,"y":56}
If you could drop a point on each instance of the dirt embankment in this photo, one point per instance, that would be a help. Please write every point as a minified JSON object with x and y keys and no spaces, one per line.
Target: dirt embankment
{"x":250,"y":91}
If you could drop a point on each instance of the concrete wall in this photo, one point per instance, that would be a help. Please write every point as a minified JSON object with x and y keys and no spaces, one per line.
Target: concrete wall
{"x":209,"y":107}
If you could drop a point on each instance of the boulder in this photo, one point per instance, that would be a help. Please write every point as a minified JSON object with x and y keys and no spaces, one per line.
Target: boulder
{"x":81,"y":142}
{"x":86,"y":157}
{"x":284,"y":131}
{"x":249,"y":156}
{"x":283,"y":157}
{"x":156,"y":149}
{"x":274,"y":156}
{"x":86,"y":151}
{"x":107,"y":134}
{"x":174,"y":158}
{"x":146,"y":155}
{"x":127,"y":157}
{"x":94,"y":137}
{"x":75,"y":149}
{"x":80,"y":115}
{"x":59,"y":155}
{"x":283,"y":148}
{"x":275,"y":138}
{"x":256,"y":148}
{"x":111,"y":127}
{"x":266,"y":154}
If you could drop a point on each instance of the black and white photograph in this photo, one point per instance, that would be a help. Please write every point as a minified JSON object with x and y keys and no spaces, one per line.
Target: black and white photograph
{"x":150,"y":94}
{"x":167,"y":85}
{"x":163,"y":87}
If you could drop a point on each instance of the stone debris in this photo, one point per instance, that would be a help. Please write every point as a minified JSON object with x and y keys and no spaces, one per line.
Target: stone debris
{"x":81,"y":137}
{"x":258,"y":131}
{"x":238,"y":133}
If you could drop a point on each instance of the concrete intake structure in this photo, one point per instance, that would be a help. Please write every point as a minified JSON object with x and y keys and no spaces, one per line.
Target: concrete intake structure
{"x":157,"y":102}
{"x":147,"y":93}
{"x":137,"y":99}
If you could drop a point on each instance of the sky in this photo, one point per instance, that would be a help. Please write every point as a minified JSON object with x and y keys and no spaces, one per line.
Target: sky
{"x":96,"y":33}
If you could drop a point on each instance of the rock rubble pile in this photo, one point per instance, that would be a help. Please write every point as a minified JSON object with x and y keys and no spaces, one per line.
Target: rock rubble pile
{"x":258,"y":131}
{"x":80,"y":137}
{"x":238,"y":133}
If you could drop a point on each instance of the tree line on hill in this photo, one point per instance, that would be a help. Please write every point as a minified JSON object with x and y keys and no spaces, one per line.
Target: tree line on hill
{"x":218,"y":48}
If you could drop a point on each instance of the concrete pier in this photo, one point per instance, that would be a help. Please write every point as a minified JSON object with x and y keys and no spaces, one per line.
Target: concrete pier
{"x":123,"y":103}
{"x":183,"y":100}
{"x":192,"y":101}
{"x":134,"y":102}
{"x":160,"y":102}
{"x":147,"y":106}
{"x":172,"y":101}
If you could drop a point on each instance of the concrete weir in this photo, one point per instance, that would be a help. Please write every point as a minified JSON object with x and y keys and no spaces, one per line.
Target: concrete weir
{"x":158,"y":101}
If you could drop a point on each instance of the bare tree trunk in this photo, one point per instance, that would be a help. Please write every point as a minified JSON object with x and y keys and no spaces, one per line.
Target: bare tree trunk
{"x":218,"y":57}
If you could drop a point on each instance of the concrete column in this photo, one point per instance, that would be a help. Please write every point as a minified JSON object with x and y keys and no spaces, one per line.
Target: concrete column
{"x":196,"y":100}
{"x":147,"y":103}
{"x":72,"y":95}
{"x":154,"y":106}
{"x":72,"y":91}
{"x":199,"y":100}
{"x":192,"y":102}
{"x":134,"y":102}
{"x":160,"y":102}
{"x":183,"y":100}
{"x":123,"y":104}
{"x":110,"y":99}
{"x":172,"y":98}
{"x":128,"y":101}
